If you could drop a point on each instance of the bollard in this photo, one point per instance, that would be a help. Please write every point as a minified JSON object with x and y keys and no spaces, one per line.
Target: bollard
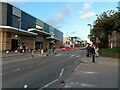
{"x":33,"y":53}
{"x":42,"y":52}
{"x":93,"y":58}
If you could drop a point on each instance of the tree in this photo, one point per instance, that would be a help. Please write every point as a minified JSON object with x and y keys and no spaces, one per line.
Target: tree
{"x":106,"y":23}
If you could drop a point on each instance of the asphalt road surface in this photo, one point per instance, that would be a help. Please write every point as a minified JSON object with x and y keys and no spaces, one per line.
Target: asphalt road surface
{"x":44,"y":72}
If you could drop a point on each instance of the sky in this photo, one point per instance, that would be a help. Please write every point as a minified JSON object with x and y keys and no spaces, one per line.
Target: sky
{"x":72,"y":18}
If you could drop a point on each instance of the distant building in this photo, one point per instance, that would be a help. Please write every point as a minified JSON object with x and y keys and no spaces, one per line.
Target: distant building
{"x":72,"y":41}
{"x":114,"y":40}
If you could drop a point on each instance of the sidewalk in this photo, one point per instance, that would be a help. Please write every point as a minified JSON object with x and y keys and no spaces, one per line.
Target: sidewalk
{"x":102,"y":74}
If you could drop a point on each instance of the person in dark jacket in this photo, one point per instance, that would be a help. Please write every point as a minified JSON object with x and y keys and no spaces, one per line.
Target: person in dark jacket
{"x":88,"y":50}
{"x":92,"y":51}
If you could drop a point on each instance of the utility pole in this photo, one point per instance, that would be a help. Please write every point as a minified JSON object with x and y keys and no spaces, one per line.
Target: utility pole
{"x":19,"y":22}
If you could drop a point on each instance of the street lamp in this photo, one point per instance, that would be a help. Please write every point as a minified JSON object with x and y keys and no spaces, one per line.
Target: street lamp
{"x":19,"y":22}
{"x":90,"y":27}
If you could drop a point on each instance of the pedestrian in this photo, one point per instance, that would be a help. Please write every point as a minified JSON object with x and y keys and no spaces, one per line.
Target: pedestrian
{"x":88,"y":50}
{"x":46,"y":49}
{"x":97,"y":51}
{"x":21,"y":49}
{"x":33,"y":53}
{"x":92,"y":51}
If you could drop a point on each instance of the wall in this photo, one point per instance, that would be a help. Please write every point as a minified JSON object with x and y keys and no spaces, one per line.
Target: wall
{"x":114,"y":40}
{"x":58,"y":44}
{"x":3,"y":14}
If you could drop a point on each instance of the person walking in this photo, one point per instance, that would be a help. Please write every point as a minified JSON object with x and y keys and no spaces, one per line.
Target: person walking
{"x":92,"y":51}
{"x":97,"y":51}
{"x":88,"y":50}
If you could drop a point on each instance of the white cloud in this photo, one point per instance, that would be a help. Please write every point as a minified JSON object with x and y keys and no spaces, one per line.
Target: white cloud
{"x":60,"y":17}
{"x":87,"y":15}
{"x":86,"y":6}
{"x":80,"y":12}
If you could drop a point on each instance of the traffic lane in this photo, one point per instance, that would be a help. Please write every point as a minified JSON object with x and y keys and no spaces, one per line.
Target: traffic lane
{"x":24,"y":64}
{"x":14,"y":79}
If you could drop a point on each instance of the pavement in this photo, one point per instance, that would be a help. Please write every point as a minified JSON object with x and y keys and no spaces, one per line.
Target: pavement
{"x":101,"y":74}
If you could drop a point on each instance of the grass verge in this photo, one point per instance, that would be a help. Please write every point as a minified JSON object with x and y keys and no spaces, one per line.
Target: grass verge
{"x":108,"y":52}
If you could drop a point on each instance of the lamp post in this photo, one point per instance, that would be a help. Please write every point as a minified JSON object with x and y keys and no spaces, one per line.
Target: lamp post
{"x":19,"y":20}
{"x":90,"y":27}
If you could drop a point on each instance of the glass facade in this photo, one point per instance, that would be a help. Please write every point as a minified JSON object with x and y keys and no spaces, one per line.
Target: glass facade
{"x":27,"y":21}
{"x":58,"y":34}
{"x":46,"y":28}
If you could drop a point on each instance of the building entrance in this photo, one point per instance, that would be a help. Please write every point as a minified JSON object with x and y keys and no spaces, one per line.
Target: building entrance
{"x":14,"y":44}
{"x":38,"y":45}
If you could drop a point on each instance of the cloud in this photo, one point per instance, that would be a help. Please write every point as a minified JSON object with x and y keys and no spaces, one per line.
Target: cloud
{"x":87,"y":15}
{"x":86,"y":6}
{"x":80,"y":12}
{"x":60,"y":17}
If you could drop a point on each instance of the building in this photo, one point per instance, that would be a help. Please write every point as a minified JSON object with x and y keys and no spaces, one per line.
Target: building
{"x":114,"y":40}
{"x":72,"y":41}
{"x":19,"y":28}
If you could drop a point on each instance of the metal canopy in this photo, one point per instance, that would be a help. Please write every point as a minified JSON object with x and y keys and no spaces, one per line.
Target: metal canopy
{"x":40,"y":32}
{"x":15,"y":30}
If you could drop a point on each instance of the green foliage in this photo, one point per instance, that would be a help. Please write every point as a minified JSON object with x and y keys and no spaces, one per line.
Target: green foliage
{"x":106,"y":23}
{"x":110,"y":51}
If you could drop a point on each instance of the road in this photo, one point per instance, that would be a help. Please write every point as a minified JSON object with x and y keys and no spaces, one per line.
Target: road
{"x":42,"y":72}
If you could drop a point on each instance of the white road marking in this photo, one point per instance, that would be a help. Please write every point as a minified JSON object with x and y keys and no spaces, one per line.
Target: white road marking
{"x":2,"y":74}
{"x":68,"y":85}
{"x":72,"y":55}
{"x":49,"y":84}
{"x":61,"y":73}
{"x":21,"y":69}
{"x":86,"y":72}
{"x":15,"y":70}
{"x":77,"y":67}
{"x":69,"y":66}
{"x":77,"y":56}
{"x":88,"y":85}
{"x":58,"y":55}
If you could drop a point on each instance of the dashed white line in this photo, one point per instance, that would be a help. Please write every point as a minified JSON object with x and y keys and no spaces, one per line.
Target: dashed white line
{"x":58,"y":55}
{"x":49,"y":84}
{"x":61,"y":73}
{"x":20,"y":69}
{"x":77,"y":67}
{"x":77,"y":56}
{"x":72,"y":55}
{"x":88,"y":85}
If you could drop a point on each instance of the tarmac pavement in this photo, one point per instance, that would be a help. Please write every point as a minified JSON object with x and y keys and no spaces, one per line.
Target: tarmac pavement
{"x":101,"y":74}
